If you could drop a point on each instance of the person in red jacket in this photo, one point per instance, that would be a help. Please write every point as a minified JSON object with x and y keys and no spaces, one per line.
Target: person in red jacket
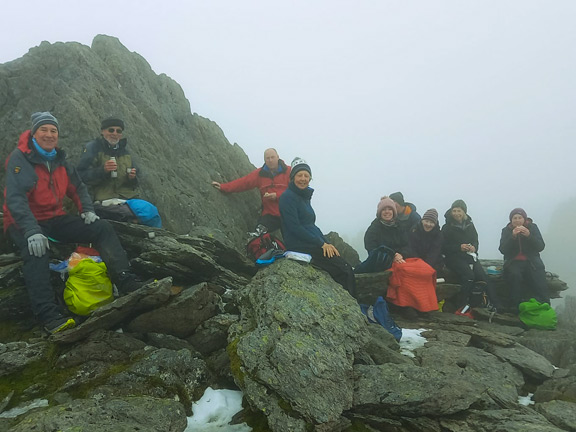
{"x":38,"y":177}
{"x":272,"y":180}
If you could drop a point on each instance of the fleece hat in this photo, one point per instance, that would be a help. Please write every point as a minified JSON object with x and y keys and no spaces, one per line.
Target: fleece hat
{"x":385,"y":202}
{"x":112,"y":121}
{"x":299,"y":164}
{"x":41,"y":118}
{"x":431,"y":215}
{"x":398,"y":198}
{"x":519,"y":211}
{"x":461,"y":204}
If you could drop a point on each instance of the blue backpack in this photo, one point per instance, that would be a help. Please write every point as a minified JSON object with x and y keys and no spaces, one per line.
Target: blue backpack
{"x":379,"y":260}
{"x":146,"y":212}
{"x":379,"y":314}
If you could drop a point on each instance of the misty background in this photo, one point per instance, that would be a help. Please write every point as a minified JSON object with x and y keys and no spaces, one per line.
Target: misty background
{"x":439,"y":100}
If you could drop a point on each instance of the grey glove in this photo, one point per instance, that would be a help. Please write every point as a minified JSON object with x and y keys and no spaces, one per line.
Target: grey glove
{"x":38,"y":245}
{"x":89,"y":217}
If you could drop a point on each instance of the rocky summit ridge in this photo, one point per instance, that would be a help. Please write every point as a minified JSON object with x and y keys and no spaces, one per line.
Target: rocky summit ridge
{"x":288,"y":336}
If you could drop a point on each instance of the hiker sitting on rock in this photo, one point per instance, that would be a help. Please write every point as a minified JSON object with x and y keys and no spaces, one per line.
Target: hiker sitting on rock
{"x":37,"y":180}
{"x":406,"y":214}
{"x":301,"y":233}
{"x":521,"y":244}
{"x":271,"y":180}
{"x":107,"y":167}
{"x":425,"y":240}
{"x":461,"y":256}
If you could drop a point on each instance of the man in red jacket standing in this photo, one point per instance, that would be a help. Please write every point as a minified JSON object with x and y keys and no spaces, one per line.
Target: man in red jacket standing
{"x":272,"y":180}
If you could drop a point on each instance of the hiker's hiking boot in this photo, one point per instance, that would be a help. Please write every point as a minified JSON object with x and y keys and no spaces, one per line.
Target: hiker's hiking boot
{"x":59,"y":324}
{"x":128,"y":282}
{"x":465,"y":311}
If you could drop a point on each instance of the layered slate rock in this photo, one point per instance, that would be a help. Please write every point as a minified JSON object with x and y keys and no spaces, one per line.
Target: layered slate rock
{"x":293,"y":349}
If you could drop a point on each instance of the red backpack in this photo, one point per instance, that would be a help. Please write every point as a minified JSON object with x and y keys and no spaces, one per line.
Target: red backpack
{"x":265,"y":242}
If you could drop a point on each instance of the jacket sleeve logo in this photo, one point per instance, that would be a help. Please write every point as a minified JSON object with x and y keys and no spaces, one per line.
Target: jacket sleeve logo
{"x":17,"y":169}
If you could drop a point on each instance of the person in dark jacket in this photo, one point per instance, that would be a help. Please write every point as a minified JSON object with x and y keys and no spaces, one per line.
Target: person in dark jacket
{"x":521,"y":244}
{"x":406,"y":215}
{"x":37,"y":180}
{"x":271,"y":180}
{"x":460,"y":249}
{"x":425,"y":240}
{"x":300,"y":232}
{"x":384,"y":231}
{"x":112,"y":175}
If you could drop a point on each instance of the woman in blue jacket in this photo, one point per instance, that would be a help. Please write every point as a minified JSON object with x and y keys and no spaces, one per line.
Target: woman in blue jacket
{"x":521,"y":244}
{"x":299,"y":228}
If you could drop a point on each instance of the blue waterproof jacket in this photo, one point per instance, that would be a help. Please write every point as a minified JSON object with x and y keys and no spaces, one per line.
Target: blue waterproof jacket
{"x":298,"y":220}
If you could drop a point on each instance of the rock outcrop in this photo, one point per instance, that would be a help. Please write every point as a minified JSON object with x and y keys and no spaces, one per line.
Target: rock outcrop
{"x":179,"y":152}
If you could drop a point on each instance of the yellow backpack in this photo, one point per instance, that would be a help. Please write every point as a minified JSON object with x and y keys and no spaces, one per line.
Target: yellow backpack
{"x":88,"y":287}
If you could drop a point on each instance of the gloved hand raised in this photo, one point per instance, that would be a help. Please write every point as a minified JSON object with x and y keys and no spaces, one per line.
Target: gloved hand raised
{"x":38,"y":245}
{"x":89,"y":217}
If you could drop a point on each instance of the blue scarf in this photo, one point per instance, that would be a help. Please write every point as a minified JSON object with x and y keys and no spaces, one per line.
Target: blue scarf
{"x":51,"y":155}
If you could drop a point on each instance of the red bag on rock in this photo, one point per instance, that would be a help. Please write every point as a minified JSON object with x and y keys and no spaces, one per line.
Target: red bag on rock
{"x":413,"y":284}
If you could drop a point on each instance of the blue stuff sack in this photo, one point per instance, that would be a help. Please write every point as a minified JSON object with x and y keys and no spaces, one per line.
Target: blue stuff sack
{"x":146,"y":212}
{"x":379,"y":314}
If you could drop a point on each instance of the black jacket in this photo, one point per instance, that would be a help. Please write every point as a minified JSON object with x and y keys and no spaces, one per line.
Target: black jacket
{"x":427,"y":245}
{"x":379,"y":234}
{"x":530,"y":246}
{"x":456,"y":235}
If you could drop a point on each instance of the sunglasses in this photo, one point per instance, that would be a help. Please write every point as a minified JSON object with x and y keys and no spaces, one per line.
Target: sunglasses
{"x":117,"y":130}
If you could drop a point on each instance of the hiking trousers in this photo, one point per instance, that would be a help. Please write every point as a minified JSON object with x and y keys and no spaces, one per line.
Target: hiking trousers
{"x":525,"y":281}
{"x":469,"y":272}
{"x":65,"y":229}
{"x":337,"y":267}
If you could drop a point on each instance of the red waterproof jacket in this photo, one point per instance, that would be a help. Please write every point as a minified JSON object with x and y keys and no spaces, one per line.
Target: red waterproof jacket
{"x":263,"y":179}
{"x":35,"y":188}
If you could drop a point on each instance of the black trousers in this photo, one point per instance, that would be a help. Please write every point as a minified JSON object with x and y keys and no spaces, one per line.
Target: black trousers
{"x":525,"y":281}
{"x":272,"y":223}
{"x":337,"y":267}
{"x":470,"y":272}
{"x":65,"y":229}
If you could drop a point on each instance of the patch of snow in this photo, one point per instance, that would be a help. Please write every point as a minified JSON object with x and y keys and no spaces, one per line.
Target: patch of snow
{"x":526,"y":400}
{"x":411,"y":340}
{"x":15,"y":412}
{"x":214,"y":411}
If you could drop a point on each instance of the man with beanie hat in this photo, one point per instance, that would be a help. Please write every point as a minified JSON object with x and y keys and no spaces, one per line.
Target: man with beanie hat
{"x":37,"y":180}
{"x":407,"y":215}
{"x":106,"y":165}
{"x":271,"y":180}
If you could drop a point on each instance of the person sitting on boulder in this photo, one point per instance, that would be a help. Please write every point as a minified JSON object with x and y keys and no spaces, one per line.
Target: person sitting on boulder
{"x":271,"y":180}
{"x":406,"y":214}
{"x":521,"y":244}
{"x":461,"y":255}
{"x":425,"y":240}
{"x":412,"y":285}
{"x":37,"y":180}
{"x":300,"y":232}
{"x":110,"y":171}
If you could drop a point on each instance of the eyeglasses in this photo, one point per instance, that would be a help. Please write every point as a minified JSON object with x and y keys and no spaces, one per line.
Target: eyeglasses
{"x":115,"y":130}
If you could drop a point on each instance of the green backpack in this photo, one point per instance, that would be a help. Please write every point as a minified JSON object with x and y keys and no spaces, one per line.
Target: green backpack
{"x":537,"y":315}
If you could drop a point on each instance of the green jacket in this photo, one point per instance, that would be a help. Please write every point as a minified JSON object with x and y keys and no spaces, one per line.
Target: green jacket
{"x":102,"y":185}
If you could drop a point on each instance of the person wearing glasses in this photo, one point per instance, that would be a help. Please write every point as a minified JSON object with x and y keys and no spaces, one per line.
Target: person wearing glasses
{"x":38,"y":177}
{"x":107,"y":167}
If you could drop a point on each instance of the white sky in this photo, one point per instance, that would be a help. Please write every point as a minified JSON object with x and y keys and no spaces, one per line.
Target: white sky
{"x":438,"y":99}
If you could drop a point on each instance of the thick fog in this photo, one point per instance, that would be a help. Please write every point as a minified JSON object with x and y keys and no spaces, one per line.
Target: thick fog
{"x":440,"y":100}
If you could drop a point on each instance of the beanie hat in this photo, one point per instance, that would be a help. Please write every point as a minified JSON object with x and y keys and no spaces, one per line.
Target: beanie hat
{"x":299,"y":164}
{"x":397,"y":197}
{"x":111,"y":121}
{"x":461,"y":204}
{"x":519,"y":211}
{"x":385,"y":202}
{"x":431,"y":215}
{"x":41,"y":118}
